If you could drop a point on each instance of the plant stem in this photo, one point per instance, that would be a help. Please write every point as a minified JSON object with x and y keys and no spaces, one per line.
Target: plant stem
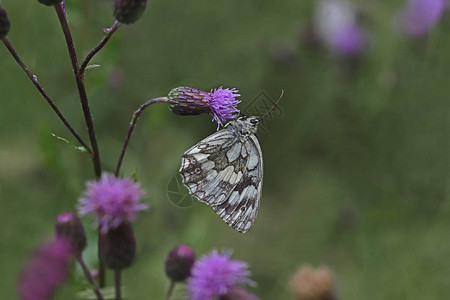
{"x":133,"y":122}
{"x":81,"y":89}
{"x":41,"y":90}
{"x":118,"y":283}
{"x":88,"y":275}
{"x":79,"y":78}
{"x":170,"y":289}
{"x":109,"y":32}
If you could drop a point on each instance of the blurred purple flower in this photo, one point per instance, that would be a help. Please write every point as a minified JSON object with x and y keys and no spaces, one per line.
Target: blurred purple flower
{"x":45,"y":271}
{"x":112,"y":200}
{"x":216,"y":275}
{"x":418,"y":17}
{"x":337,"y":27}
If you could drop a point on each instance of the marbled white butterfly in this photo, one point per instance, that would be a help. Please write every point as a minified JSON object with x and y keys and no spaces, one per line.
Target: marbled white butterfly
{"x":225,"y":171}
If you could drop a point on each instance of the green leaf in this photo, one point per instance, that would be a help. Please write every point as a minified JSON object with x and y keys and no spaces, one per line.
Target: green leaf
{"x":78,"y":148}
{"x":93,"y":66}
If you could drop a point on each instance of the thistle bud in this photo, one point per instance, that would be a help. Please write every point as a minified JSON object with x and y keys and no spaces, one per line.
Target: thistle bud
{"x":129,"y":11}
{"x":186,"y":101}
{"x":118,"y":247}
{"x":69,"y":226}
{"x":50,"y":2}
{"x":5,"y":24}
{"x":220,"y":103}
{"x":179,"y":263}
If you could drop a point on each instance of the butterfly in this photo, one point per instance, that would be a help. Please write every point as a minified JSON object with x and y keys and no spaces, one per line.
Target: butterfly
{"x":225,"y":171}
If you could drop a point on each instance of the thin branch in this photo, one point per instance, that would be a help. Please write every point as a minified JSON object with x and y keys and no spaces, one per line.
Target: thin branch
{"x":133,"y":122}
{"x":109,"y":32}
{"x":88,"y":275}
{"x":118,"y":284}
{"x":170,"y":290}
{"x":81,"y":89}
{"x":41,"y":90}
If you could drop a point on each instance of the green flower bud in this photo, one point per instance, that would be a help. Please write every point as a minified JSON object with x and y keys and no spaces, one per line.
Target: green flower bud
{"x":129,"y":11}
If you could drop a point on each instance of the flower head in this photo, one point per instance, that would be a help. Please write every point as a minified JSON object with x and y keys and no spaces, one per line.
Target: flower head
{"x":45,"y":271}
{"x":223,"y":104}
{"x":220,"y":103}
{"x":420,"y":16}
{"x":179,"y":263}
{"x":337,"y":27}
{"x":313,"y":283}
{"x":216,"y":275}
{"x":69,"y":226}
{"x":112,"y":200}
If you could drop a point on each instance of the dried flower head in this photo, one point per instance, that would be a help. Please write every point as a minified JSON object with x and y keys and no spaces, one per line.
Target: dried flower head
{"x":118,"y":247}
{"x":5,"y":24}
{"x":215,"y":275}
{"x":129,"y":11}
{"x":45,"y":271}
{"x":313,"y":283}
{"x":220,"y":103}
{"x":112,"y":200}
{"x":69,"y":226}
{"x":420,"y":16}
{"x":179,"y":263}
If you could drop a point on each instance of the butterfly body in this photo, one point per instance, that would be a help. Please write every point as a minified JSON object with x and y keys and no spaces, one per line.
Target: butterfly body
{"x":225,"y":171}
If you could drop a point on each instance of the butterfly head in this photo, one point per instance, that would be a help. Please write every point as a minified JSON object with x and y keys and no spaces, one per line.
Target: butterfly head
{"x":245,"y":125}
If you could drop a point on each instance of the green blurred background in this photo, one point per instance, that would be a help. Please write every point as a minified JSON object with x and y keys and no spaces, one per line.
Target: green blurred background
{"x":356,"y":169}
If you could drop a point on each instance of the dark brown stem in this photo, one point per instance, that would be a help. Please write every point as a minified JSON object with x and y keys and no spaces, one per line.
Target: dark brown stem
{"x":88,"y":275}
{"x":133,"y":122}
{"x":96,"y":49}
{"x":170,"y":290}
{"x":81,"y":89}
{"x":41,"y":90}
{"x":118,"y":284}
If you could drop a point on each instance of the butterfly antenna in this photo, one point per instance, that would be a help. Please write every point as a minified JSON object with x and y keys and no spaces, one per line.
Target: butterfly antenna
{"x":273,"y":106}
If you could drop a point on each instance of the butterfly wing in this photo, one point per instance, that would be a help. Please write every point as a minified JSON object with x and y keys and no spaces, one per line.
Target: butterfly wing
{"x":212,"y":168}
{"x":241,"y":208}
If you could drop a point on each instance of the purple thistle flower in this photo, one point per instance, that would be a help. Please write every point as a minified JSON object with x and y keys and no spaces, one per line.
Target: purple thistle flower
{"x":420,"y":16}
{"x":223,"y":104}
{"x":337,"y":27}
{"x":45,"y":271}
{"x":112,"y":200}
{"x":216,"y":275}
{"x":220,"y":103}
